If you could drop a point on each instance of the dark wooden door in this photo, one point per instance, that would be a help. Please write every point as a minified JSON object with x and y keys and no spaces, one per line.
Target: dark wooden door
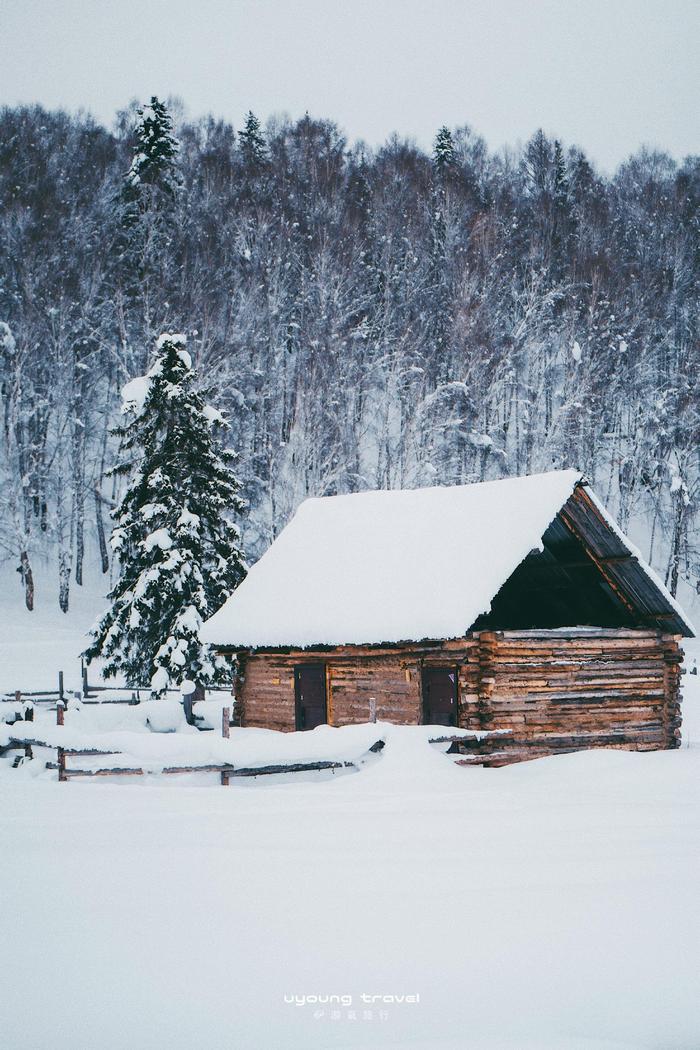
{"x":440,"y":696}
{"x":310,"y":689}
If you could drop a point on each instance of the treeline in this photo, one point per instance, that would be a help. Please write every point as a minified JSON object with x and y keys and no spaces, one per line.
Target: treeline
{"x":366,"y":318}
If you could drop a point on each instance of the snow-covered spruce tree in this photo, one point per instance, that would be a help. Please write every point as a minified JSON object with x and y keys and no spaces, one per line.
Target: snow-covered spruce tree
{"x":252,"y":142}
{"x":156,"y":149}
{"x":443,"y":150}
{"x":439,"y":295}
{"x":179,"y":554}
{"x":148,"y":217}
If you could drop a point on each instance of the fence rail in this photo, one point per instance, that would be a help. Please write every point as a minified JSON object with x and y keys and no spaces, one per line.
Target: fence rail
{"x":226,"y":770}
{"x":88,"y":692}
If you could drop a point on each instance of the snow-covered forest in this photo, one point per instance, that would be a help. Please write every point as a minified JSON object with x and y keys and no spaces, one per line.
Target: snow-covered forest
{"x":365,"y":318}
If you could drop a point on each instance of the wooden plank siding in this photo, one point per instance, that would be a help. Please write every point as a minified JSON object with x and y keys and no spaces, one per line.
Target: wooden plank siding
{"x":555,"y":691}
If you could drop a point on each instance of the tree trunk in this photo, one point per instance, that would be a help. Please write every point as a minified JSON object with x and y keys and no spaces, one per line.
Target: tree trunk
{"x":27,"y":579}
{"x":64,"y":567}
{"x":79,"y":539}
{"x":104,"y":553}
{"x":79,"y":495}
{"x":675,"y":559}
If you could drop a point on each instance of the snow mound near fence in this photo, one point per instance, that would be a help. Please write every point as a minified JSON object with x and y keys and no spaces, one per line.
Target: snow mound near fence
{"x":246,"y":748}
{"x":409,"y":756}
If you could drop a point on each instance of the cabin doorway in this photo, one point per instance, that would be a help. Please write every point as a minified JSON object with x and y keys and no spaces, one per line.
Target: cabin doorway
{"x":310,"y":695}
{"x":440,"y":696}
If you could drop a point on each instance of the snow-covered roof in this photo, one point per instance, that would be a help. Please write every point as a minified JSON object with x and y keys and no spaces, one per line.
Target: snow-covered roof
{"x":392,"y":566}
{"x":389,"y":566}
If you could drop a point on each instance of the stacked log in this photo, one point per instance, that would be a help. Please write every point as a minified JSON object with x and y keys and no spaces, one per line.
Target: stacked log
{"x":471,"y":699}
{"x":487,"y":678}
{"x":562,"y":691}
{"x":673,"y":658}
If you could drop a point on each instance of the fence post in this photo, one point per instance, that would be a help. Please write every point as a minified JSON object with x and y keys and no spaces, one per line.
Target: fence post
{"x":60,"y":753}
{"x":225,"y":732}
{"x":60,"y":686}
{"x":84,"y":673}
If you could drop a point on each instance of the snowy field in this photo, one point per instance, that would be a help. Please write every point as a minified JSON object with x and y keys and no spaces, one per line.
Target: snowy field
{"x":547,"y":906}
{"x":35,"y":646}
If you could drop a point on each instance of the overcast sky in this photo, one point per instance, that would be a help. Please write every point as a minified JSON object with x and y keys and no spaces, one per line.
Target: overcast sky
{"x":608,"y":75}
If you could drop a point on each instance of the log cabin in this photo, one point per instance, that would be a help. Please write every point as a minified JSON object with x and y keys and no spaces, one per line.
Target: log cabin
{"x":515,"y":608}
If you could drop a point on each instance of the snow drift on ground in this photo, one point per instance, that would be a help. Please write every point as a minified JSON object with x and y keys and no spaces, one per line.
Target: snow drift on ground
{"x":547,"y":906}
{"x":158,"y":749}
{"x":35,"y":646}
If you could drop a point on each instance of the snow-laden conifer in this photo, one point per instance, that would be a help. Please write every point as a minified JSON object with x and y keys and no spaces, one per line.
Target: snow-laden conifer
{"x":179,"y":553}
{"x":252,"y":142}
{"x":156,"y":149}
{"x":443,"y":150}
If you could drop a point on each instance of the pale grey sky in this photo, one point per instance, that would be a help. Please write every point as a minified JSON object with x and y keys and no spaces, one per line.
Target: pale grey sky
{"x":608,"y":75}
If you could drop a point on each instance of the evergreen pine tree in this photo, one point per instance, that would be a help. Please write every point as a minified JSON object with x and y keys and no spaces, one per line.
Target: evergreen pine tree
{"x":179,"y":555}
{"x":252,"y":142}
{"x":156,"y":149}
{"x":148,"y":213}
{"x":562,"y":213}
{"x":443,"y":151}
{"x":439,"y":297}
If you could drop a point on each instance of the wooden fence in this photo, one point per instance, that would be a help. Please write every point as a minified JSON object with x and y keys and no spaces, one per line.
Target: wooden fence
{"x":225,"y":770}
{"x":89,"y":692}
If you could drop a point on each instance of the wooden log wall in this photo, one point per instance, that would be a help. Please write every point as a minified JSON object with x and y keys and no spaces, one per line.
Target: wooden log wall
{"x":264,"y":690}
{"x":555,"y":691}
{"x":561,"y":691}
{"x":391,"y":681}
{"x":354,"y":677}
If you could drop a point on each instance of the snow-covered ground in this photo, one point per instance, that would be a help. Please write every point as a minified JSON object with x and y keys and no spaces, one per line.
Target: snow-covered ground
{"x":547,"y":906}
{"x":35,"y":646}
